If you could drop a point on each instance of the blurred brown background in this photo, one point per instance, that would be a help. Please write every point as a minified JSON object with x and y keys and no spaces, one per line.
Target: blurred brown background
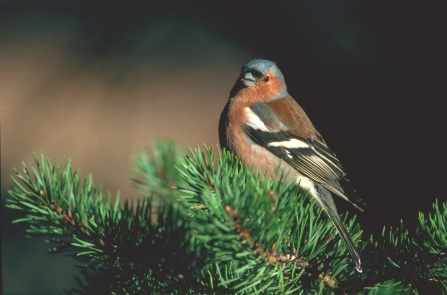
{"x":96,"y":80}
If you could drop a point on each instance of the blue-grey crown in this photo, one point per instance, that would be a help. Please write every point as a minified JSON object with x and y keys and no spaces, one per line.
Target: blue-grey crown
{"x":263,"y":66}
{"x":260,"y":65}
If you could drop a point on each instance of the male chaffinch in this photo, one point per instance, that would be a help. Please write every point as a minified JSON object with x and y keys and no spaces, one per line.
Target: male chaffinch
{"x":264,"y":126}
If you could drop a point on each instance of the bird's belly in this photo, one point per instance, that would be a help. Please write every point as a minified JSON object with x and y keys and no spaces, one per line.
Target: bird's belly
{"x":257,"y":157}
{"x":268,"y":163}
{"x":305,"y":183}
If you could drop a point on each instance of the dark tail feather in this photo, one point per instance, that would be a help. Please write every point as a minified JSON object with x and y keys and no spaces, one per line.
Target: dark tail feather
{"x":327,"y":203}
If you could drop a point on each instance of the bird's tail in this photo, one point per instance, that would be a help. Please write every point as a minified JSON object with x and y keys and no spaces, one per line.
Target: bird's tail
{"x":326,"y":202}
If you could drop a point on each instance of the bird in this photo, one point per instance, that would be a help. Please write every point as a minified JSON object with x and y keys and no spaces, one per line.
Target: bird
{"x":266,"y":128}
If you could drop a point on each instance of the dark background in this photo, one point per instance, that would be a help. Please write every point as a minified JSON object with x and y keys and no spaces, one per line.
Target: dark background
{"x":96,"y":80}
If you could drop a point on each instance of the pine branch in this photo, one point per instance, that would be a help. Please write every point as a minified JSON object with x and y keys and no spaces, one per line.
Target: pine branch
{"x":115,"y":243}
{"x":210,"y":225}
{"x":255,"y":240}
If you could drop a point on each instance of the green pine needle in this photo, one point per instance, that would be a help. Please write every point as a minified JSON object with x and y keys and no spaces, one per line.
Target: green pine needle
{"x":210,"y":225}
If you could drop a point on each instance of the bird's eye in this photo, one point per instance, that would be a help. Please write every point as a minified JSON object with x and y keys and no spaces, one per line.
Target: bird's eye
{"x":266,"y":78}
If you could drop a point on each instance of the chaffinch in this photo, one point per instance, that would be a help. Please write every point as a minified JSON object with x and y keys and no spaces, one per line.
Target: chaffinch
{"x":265,"y":127}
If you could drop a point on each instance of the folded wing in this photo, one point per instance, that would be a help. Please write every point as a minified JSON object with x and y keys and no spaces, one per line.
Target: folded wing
{"x":310,"y":156}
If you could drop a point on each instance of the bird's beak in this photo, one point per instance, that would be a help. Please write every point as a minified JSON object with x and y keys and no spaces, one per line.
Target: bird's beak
{"x":248,"y":79}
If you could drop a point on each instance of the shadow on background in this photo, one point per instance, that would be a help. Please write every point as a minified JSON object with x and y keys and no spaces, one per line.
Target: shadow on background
{"x":96,"y":80}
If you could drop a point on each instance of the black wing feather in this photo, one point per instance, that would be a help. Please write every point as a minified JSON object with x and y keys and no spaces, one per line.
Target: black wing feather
{"x":316,"y":161}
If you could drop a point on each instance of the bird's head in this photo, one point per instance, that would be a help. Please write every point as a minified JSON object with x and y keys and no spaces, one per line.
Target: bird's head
{"x":264,"y":76}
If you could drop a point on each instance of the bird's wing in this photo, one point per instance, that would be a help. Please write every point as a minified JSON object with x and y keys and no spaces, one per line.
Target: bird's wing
{"x":310,"y":156}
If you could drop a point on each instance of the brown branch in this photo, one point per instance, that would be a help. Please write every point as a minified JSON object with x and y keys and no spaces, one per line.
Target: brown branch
{"x":269,"y":254}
